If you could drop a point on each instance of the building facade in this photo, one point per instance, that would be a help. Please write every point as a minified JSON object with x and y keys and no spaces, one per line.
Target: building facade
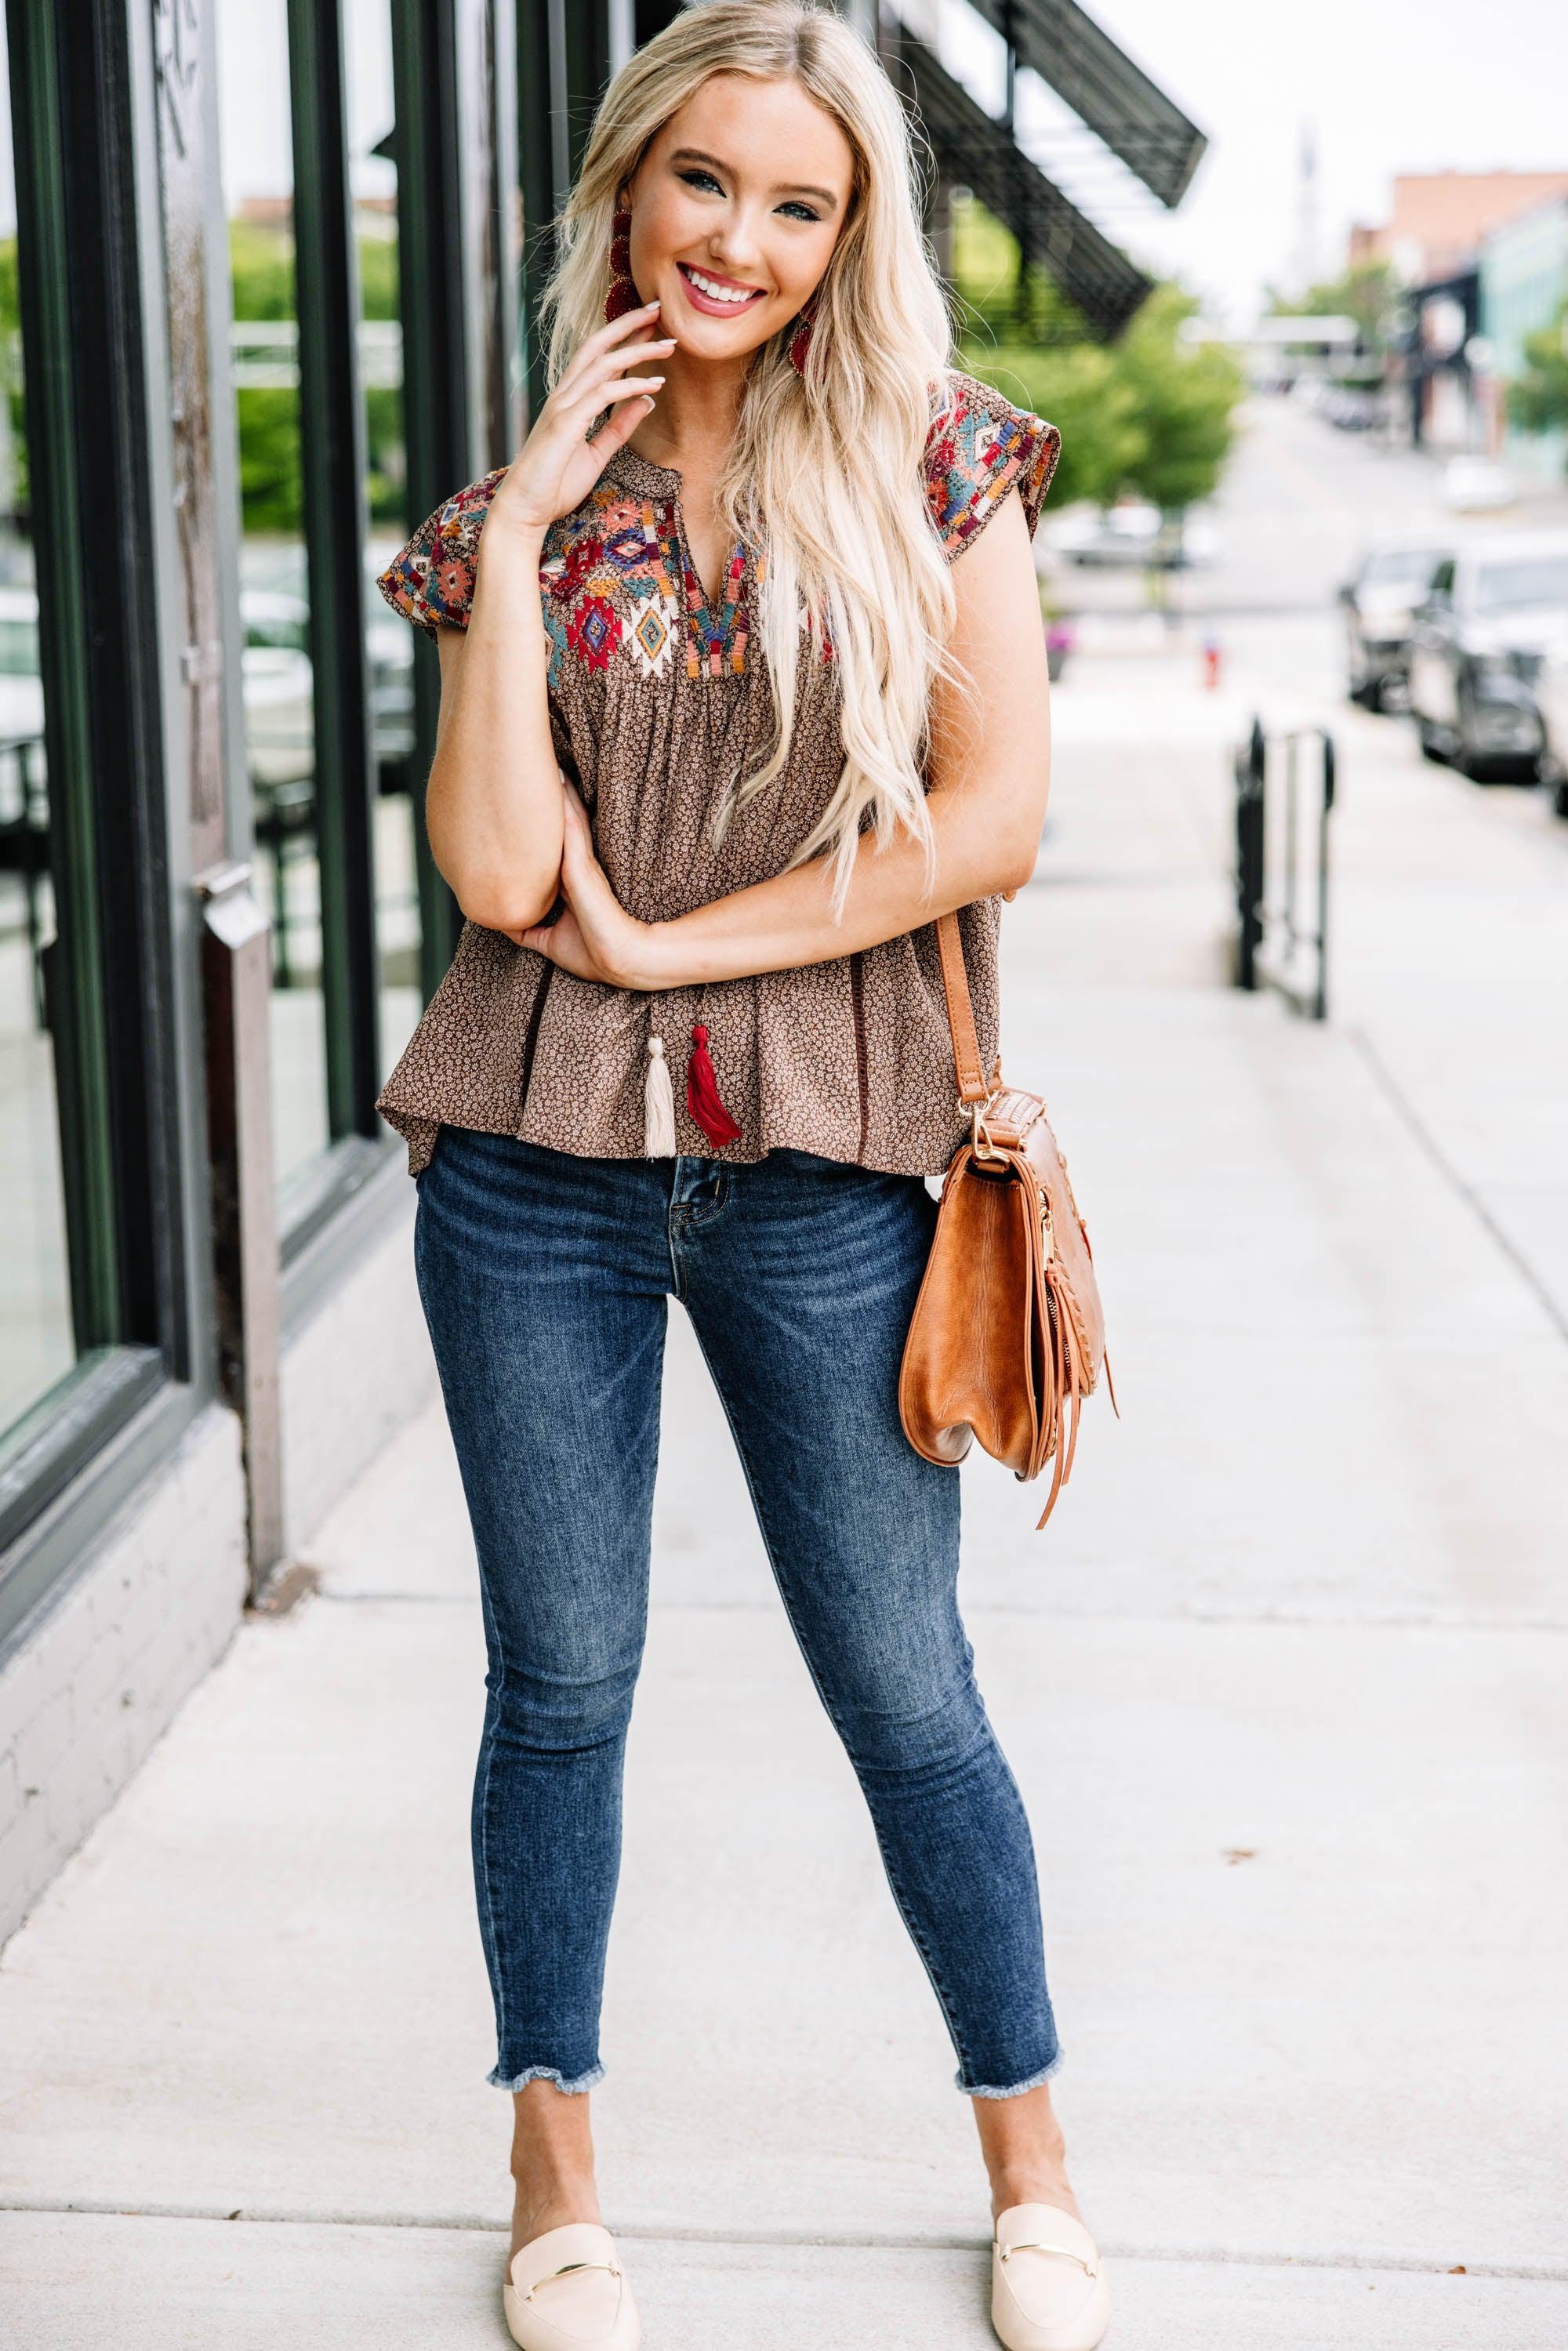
{"x":265,"y":291}
{"x":1438,"y":219}
{"x":1524,"y":275}
{"x":1440,"y":226}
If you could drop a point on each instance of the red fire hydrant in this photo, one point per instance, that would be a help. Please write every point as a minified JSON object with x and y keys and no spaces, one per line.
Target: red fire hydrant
{"x":1211,"y":661}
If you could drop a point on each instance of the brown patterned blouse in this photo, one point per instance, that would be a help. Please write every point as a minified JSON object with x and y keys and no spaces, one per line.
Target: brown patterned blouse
{"x":654,"y":697}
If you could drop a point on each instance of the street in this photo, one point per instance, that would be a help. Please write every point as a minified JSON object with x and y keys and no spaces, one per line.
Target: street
{"x":1281,"y":1682}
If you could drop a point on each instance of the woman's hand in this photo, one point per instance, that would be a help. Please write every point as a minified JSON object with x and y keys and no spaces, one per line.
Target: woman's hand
{"x":594,"y":938}
{"x":557,"y":466}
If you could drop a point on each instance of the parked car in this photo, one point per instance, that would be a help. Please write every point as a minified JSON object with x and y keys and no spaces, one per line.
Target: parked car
{"x":1477,"y":485}
{"x":1133,"y":532}
{"x":21,"y":687}
{"x":389,"y":649}
{"x":279,"y":693}
{"x":1551,"y":699}
{"x":1352,"y":407}
{"x":1478,"y":649}
{"x":279,"y":688}
{"x":1389,"y":583}
{"x":276,"y":679}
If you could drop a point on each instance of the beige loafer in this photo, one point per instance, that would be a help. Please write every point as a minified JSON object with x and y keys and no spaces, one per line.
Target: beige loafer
{"x":565,"y":2291}
{"x":1049,"y":2289}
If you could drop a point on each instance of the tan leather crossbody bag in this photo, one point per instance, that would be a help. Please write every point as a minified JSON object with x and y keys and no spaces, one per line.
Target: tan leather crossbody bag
{"x":1008,"y":1336}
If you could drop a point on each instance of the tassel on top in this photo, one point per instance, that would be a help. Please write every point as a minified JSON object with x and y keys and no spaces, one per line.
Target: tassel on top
{"x":703,"y":1098}
{"x":704,"y":1101}
{"x":659,"y":1106}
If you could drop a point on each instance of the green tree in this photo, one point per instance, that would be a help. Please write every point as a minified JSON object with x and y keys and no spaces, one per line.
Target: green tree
{"x":1080,"y":390}
{"x":1185,"y":398}
{"x":998,"y":296}
{"x":14,"y":386}
{"x":1538,"y":400}
{"x":378,"y":293}
{"x":261,"y":266}
{"x":261,"y":259}
{"x":1150,"y":414}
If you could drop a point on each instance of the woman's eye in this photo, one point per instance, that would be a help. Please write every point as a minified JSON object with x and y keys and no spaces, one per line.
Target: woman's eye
{"x":794,"y":208}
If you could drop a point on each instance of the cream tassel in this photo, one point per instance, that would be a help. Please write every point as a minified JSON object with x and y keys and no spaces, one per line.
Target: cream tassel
{"x":659,"y":1106}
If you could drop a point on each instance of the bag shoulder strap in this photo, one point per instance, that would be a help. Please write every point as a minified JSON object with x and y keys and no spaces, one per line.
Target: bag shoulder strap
{"x":972,"y":1086}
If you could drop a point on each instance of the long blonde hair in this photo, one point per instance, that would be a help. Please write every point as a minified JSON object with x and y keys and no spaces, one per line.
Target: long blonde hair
{"x":825,"y":467}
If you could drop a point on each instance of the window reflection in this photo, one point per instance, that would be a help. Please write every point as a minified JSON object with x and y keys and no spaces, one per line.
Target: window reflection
{"x":279,"y":698}
{"x":37,"y":1342}
{"x":388,"y":639}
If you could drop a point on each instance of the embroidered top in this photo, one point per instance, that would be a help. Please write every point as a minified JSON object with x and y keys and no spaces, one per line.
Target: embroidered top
{"x":654,"y":697}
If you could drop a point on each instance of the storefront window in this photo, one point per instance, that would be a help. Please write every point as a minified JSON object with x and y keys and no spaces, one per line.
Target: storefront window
{"x":273,"y":584}
{"x":37,"y":1344}
{"x":390,"y":647}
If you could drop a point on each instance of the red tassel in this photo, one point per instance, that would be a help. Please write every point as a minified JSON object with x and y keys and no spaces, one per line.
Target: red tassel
{"x":702,"y":1099}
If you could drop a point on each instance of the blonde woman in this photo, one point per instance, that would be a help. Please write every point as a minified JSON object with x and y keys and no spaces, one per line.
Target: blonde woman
{"x":743,"y":683}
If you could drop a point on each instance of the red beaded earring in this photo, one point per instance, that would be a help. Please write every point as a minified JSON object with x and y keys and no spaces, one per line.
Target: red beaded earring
{"x":622,"y":294}
{"x":800,"y":340}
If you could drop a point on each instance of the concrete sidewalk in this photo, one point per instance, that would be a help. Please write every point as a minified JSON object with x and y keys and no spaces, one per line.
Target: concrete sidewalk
{"x":1282,"y":1683}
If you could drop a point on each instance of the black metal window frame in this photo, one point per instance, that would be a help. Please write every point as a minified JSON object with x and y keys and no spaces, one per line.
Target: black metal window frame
{"x":456,"y":409}
{"x":463,"y":146}
{"x":109,"y":987}
{"x":437,"y":437}
{"x":333,"y":458}
{"x":455,"y":143}
{"x":567,"y":54}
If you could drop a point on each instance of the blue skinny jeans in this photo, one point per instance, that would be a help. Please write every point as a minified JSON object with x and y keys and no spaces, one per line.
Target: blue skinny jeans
{"x":544,"y":1277}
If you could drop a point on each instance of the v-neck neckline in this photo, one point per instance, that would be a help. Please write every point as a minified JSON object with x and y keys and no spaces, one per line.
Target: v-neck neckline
{"x":713,"y":622}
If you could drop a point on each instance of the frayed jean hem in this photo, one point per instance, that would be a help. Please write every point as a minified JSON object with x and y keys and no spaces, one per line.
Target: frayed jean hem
{"x":547,"y":2073}
{"x":1014,"y":2089}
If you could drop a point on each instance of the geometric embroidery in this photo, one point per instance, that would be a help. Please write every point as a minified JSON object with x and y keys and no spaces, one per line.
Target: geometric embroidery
{"x":593,"y":631}
{"x":713,"y":635}
{"x":972,"y":461}
{"x":609,"y":572}
{"x":653,"y":641}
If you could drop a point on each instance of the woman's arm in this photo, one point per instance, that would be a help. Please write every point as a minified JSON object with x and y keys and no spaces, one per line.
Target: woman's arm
{"x":990,"y":778}
{"x":493,"y":805}
{"x":493,"y":808}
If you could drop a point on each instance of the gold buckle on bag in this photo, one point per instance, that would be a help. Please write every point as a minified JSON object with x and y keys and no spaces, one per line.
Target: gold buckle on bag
{"x":979,"y":1131}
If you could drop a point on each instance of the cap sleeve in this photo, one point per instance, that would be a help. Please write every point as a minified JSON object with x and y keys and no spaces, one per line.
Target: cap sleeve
{"x":981,"y":445}
{"x":430,"y":579}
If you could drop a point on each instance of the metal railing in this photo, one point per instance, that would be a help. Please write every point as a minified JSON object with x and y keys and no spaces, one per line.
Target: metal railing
{"x":1282,"y":892}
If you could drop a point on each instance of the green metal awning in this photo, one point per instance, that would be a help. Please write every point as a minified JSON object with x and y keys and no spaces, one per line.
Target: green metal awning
{"x":975,"y":151}
{"x":1105,"y":89}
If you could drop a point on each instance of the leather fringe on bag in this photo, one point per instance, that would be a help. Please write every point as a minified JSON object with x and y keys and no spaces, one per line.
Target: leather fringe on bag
{"x":1008,"y":1336}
